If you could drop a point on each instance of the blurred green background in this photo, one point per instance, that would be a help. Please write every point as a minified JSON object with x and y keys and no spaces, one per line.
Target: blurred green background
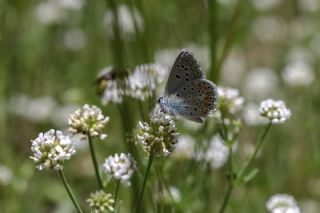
{"x":52,"y":51}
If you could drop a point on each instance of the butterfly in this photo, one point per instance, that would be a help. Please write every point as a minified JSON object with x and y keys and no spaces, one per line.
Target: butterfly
{"x":187,"y":92}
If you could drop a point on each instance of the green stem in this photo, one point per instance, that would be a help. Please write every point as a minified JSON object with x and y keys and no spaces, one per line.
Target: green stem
{"x":242,"y":173}
{"x":230,"y":180}
{"x":226,"y":199}
{"x":116,"y":193}
{"x":66,"y":185}
{"x":213,"y":35}
{"x":145,"y":181}
{"x":95,"y":162}
{"x":229,"y":40}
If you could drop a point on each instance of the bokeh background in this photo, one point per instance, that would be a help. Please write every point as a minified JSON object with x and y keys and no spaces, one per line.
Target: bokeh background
{"x":51,"y":54}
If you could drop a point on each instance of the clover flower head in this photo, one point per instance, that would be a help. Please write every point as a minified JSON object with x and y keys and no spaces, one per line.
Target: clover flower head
{"x":101,"y":202}
{"x":141,"y":83}
{"x":275,"y":111}
{"x":120,"y":167}
{"x":229,"y":102}
{"x":159,"y":135}
{"x":88,"y":120}
{"x":282,"y":203}
{"x":109,"y":86}
{"x":51,"y":149}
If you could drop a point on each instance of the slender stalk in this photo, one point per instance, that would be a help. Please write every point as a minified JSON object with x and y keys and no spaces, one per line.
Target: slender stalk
{"x":213,"y":9}
{"x":229,"y":40}
{"x":116,"y":193}
{"x":230,"y":181}
{"x":95,"y":162}
{"x":66,"y":185}
{"x":226,"y":199}
{"x":242,"y":173}
{"x":145,"y":181}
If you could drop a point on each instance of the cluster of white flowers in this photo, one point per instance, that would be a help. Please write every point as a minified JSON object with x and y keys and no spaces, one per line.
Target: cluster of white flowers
{"x":158,"y":136}
{"x":88,"y":120}
{"x":229,"y":102}
{"x":109,"y":86}
{"x":140,"y":84}
{"x":275,"y":111}
{"x":184,"y":149}
{"x":5,"y":175}
{"x":51,"y":149}
{"x":282,"y":203}
{"x":144,"y":80}
{"x":120,"y":167}
{"x":100,"y":201}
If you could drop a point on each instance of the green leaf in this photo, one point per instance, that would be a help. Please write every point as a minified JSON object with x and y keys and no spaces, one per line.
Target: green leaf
{"x":251,"y":175}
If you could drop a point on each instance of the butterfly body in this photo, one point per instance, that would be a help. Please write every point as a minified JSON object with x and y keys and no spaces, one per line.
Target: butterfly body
{"x":187,"y":92}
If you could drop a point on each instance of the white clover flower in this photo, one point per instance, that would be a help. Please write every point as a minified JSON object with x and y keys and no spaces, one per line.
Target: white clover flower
{"x":275,"y":111}
{"x":88,"y":120}
{"x":144,"y":80}
{"x":120,"y":167}
{"x":184,"y":149}
{"x":110,"y":88}
{"x":101,"y":202}
{"x":159,"y":135}
{"x":298,"y":73}
{"x":229,"y":102}
{"x":129,"y":21}
{"x":51,"y":149}
{"x":282,"y":203}
{"x":5,"y":175}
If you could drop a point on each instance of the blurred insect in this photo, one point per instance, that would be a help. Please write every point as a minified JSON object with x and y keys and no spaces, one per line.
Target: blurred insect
{"x":187,"y":92}
{"x":110,"y":74}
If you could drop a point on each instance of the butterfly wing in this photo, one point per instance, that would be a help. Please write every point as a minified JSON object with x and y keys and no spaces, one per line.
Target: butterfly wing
{"x":185,"y":69}
{"x":199,"y":98}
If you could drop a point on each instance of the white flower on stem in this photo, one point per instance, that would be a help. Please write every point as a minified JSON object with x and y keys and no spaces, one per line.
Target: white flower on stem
{"x":282,"y":203}
{"x":88,"y":120}
{"x":275,"y":111}
{"x":101,"y":202}
{"x":229,"y":102}
{"x":159,"y":135}
{"x":120,"y":167}
{"x":144,"y":80}
{"x":109,"y":87}
{"x":51,"y":149}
